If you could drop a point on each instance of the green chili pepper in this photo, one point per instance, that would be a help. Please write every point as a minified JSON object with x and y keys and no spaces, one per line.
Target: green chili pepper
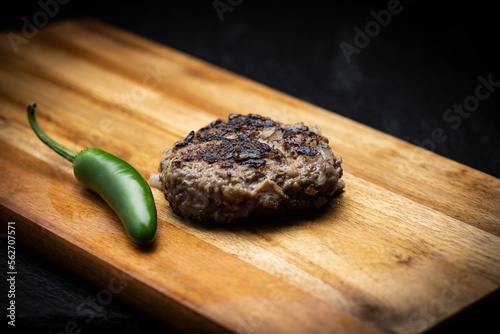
{"x":118,"y":183}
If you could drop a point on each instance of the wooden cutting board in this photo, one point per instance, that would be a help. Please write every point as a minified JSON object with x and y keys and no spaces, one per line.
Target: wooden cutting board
{"x":412,"y":240}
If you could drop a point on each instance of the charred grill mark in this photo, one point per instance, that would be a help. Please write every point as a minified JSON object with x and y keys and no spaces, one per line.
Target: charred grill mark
{"x":300,"y":140}
{"x":181,"y":144}
{"x":209,"y":155}
{"x":306,"y":150}
{"x":242,"y":151}
{"x":235,"y":141}
{"x":202,"y":137}
{"x":255,"y":116}
{"x":214,"y":123}
{"x":189,"y":137}
{"x":293,"y":132}
{"x":237,"y":122}
{"x":186,"y":141}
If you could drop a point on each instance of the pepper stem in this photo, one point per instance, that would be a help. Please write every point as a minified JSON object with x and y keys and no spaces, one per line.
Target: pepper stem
{"x":63,"y":151}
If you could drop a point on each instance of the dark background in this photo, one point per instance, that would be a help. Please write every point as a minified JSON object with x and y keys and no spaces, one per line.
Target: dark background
{"x":427,"y":59}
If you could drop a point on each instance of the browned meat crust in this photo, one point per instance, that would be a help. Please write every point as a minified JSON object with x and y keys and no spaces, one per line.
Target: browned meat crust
{"x":248,"y":167}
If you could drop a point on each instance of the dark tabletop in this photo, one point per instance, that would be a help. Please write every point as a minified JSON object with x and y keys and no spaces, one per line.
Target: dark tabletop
{"x":407,"y":68}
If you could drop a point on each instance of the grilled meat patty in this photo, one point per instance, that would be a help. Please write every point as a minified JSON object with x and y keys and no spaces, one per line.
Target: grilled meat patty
{"x":248,"y":167}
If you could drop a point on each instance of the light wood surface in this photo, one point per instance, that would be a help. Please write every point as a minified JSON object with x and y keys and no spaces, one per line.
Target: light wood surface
{"x":412,"y":240}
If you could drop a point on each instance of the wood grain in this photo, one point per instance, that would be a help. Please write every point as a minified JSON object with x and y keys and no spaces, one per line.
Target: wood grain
{"x":412,"y":240}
